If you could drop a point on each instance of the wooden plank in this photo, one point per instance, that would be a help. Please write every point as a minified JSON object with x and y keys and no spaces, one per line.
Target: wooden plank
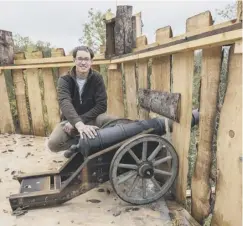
{"x":123,"y":30}
{"x":142,"y":72}
{"x":50,"y":98}
{"x":239,"y":10}
{"x":34,"y":95}
{"x":163,"y":103}
{"x":160,"y":77}
{"x":130,"y":86}
{"x":183,"y":67}
{"x":209,"y":39}
{"x":228,"y":205}
{"x":115,"y":92}
{"x":59,"y":52}
{"x":58,"y":56}
{"x":19,"y":86}
{"x":6,"y":48}
{"x":6,"y":120}
{"x":96,"y":67}
{"x":210,"y":76}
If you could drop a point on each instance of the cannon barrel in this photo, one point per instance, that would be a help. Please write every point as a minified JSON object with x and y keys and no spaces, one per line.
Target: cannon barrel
{"x":107,"y":137}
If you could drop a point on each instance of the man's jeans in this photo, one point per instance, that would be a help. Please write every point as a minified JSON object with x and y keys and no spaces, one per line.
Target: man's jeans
{"x":59,"y":140}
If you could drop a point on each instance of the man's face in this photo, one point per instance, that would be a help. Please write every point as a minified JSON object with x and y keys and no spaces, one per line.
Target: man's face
{"x":83,"y":61}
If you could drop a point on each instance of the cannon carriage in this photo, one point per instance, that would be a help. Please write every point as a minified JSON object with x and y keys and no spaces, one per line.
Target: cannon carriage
{"x":140,"y":163}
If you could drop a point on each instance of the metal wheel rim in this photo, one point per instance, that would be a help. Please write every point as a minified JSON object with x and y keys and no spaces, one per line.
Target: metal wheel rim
{"x":123,"y":150}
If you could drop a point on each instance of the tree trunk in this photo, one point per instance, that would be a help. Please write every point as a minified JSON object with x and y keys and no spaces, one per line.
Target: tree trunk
{"x":6,"y":48}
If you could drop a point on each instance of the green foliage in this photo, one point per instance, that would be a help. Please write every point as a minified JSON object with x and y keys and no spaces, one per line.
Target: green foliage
{"x":94,"y":32}
{"x":25,"y":44}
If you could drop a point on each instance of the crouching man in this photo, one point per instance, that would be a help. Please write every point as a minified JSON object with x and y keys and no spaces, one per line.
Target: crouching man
{"x":83,"y":102}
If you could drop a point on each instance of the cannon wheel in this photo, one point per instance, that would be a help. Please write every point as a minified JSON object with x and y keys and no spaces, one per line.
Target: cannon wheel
{"x":142,"y":183}
{"x":116,"y":122}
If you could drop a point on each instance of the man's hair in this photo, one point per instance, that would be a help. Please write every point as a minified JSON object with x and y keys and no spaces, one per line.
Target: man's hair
{"x":83,"y":48}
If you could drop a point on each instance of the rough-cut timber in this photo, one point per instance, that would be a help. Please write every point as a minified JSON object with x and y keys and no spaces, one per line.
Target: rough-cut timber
{"x":142,"y":74}
{"x":131,"y":93}
{"x":210,"y":75}
{"x":34,"y":95}
{"x":6,"y":121}
{"x":183,"y":67}
{"x":115,"y":92}
{"x":123,"y":30}
{"x":58,"y":52}
{"x":160,"y":77}
{"x":228,"y":205}
{"x":110,"y":38}
{"x":163,"y":103}
{"x":6,"y":48}
{"x":20,"y":87}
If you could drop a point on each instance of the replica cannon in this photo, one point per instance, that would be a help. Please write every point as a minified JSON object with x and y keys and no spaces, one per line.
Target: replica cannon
{"x":133,"y":155}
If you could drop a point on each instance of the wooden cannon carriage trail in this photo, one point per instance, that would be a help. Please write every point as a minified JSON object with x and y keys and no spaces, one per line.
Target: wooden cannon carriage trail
{"x":171,"y":161}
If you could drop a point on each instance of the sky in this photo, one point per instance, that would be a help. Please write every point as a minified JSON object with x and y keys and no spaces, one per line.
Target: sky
{"x":61,"y":22}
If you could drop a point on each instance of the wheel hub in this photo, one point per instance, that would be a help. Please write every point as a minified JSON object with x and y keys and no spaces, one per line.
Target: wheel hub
{"x":146,"y":170}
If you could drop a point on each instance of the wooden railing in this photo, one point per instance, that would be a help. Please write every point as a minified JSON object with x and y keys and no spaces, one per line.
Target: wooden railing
{"x":166,"y":65}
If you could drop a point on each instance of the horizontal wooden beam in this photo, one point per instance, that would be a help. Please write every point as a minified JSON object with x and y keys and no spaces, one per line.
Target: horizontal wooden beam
{"x":222,"y":36}
{"x":64,"y":59}
{"x":217,"y":37}
{"x":53,"y":65}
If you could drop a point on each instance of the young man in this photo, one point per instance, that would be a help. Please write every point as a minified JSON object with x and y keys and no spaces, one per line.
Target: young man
{"x":83,"y":102}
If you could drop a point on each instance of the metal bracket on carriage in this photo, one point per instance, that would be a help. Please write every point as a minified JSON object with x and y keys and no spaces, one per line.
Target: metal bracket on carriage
{"x":165,"y":104}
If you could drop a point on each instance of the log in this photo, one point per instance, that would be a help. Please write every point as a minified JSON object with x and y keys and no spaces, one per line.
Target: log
{"x":123,"y":30}
{"x":110,"y":38}
{"x":163,"y":103}
{"x":6,"y":48}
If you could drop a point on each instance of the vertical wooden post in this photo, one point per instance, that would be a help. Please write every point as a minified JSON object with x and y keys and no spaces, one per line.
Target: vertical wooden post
{"x":6,"y":48}
{"x":6,"y":120}
{"x":58,"y":52}
{"x":239,"y":10}
{"x":115,"y":92}
{"x":34,"y":94}
{"x":19,"y":86}
{"x":160,"y":77}
{"x":228,"y":204}
{"x":131,"y":93}
{"x":210,"y":76}
{"x":142,"y":71}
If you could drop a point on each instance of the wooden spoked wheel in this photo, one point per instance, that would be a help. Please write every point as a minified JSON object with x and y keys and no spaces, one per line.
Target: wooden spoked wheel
{"x":143,"y":169}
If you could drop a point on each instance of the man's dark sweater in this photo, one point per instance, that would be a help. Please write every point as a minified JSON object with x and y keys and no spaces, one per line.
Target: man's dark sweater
{"x":92,"y":102}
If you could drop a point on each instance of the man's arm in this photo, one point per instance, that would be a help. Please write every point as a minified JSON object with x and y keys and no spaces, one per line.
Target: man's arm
{"x":65,"y":102}
{"x":100,"y":102}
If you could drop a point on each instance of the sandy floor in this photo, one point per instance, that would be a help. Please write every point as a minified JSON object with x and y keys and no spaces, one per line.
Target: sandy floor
{"x":28,"y":154}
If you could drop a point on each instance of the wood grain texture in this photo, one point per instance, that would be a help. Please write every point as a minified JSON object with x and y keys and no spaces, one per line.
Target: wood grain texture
{"x":115,"y":92}
{"x":210,"y":76}
{"x":131,"y":93}
{"x":163,"y":103}
{"x":123,"y":30}
{"x":19,"y":86}
{"x":6,"y":48}
{"x":34,"y":94}
{"x":6,"y":120}
{"x":142,"y":74}
{"x":50,"y":98}
{"x":160,"y":77}
{"x":228,"y":205}
{"x":183,"y":67}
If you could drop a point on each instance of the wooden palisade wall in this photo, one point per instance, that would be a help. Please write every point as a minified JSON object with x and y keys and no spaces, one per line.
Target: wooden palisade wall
{"x":170,"y":62}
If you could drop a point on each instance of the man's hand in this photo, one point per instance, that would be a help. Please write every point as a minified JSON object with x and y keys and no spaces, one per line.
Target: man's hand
{"x":68,"y":128}
{"x":87,"y":129}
